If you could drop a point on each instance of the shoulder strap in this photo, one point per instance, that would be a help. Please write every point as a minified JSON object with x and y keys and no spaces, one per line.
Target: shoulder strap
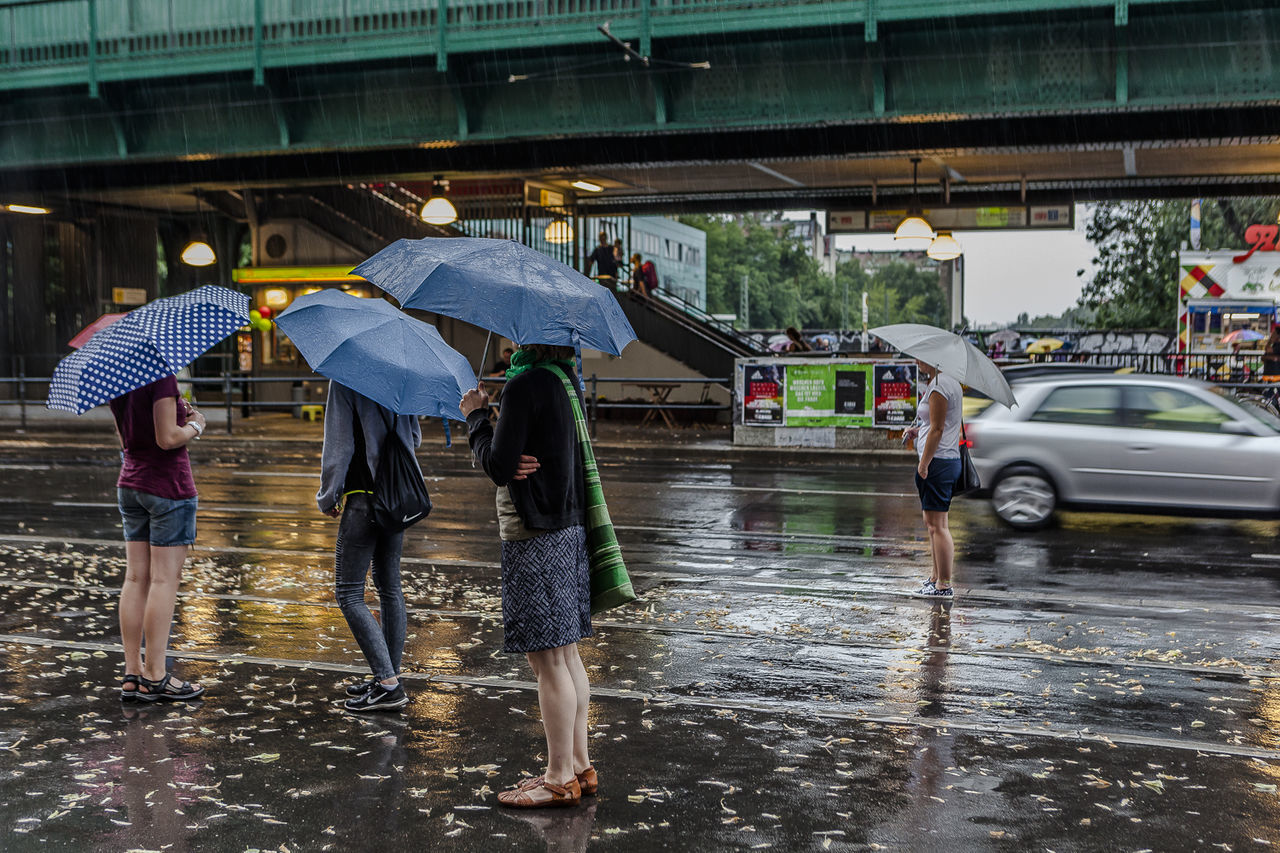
{"x":580,"y":425}
{"x":570,"y":390}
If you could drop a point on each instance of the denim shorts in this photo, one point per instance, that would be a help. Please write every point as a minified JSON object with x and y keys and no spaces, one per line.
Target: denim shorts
{"x":163,"y":522}
{"x":935,"y":490}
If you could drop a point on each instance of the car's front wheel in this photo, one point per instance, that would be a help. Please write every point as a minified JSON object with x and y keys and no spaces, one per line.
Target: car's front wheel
{"x":1024,"y":498}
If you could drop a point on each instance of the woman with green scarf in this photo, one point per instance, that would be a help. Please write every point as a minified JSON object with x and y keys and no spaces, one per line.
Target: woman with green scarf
{"x":534,"y":458}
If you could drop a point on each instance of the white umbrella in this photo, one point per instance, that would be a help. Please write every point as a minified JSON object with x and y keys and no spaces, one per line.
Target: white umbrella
{"x":1006,"y":336}
{"x":950,"y":354}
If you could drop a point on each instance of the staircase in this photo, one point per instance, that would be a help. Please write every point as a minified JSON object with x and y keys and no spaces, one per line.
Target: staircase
{"x":687,"y":333}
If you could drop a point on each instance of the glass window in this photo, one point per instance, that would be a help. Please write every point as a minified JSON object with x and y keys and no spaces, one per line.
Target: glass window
{"x":1152,"y":407}
{"x":1091,"y":405}
{"x":1253,"y":407}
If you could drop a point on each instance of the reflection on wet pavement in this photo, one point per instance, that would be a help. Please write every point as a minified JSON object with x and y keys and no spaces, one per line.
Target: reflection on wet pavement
{"x":777,"y":686}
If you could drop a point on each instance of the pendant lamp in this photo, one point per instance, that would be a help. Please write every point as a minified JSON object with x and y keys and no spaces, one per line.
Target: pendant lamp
{"x":439,"y":210}
{"x":944,"y":247}
{"x":559,"y":231}
{"x":914,"y":228}
{"x":198,"y":253}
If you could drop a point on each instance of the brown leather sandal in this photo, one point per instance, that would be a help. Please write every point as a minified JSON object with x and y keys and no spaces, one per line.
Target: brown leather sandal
{"x":588,"y":781}
{"x":542,"y":794}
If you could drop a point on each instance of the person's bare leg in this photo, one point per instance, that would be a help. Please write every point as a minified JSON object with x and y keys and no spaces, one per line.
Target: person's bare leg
{"x":933,"y":552}
{"x":133,"y":603}
{"x":558,"y":700}
{"x":166,"y":574}
{"x":582,"y":689}
{"x":944,"y":549}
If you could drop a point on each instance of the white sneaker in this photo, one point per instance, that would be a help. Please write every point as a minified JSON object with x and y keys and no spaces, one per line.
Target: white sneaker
{"x":927,"y":588}
{"x":935,"y":592}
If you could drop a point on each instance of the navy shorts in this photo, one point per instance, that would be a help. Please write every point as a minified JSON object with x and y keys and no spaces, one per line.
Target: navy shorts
{"x":163,"y":522}
{"x":935,"y":490}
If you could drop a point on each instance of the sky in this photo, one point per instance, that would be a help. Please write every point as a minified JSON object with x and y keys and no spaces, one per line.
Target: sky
{"x":1008,"y":272}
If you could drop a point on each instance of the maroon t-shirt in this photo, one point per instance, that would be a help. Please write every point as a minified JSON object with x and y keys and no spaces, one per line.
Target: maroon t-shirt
{"x":147,"y":466}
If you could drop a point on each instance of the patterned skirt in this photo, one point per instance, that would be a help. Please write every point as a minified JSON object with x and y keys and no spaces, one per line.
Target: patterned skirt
{"x":546,"y":591}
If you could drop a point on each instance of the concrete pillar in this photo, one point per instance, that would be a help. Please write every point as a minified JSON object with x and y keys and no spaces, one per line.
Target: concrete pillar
{"x":6,"y":325}
{"x":32,"y":333}
{"x":72,"y":283}
{"x":126,"y":256}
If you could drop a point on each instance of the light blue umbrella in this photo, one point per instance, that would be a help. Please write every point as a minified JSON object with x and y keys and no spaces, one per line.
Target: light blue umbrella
{"x":148,"y":343}
{"x":379,"y":351}
{"x":502,"y":286}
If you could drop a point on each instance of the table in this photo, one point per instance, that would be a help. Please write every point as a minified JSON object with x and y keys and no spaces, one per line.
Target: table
{"x":658,"y":394}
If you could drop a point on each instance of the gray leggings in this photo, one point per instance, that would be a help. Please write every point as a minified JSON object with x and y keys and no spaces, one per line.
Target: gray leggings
{"x":360,"y":544}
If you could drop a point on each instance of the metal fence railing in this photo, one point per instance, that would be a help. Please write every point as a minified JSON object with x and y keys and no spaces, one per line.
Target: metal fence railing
{"x":1244,"y":366}
{"x":230,"y":392}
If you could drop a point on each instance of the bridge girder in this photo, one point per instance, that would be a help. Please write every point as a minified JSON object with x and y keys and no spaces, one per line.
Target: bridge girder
{"x":1073,"y":104}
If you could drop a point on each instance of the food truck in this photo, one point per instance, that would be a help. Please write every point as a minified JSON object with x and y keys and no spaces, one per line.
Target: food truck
{"x":1223,"y":292}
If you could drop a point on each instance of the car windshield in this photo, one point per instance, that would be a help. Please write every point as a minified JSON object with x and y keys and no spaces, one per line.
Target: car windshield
{"x":1254,"y":408}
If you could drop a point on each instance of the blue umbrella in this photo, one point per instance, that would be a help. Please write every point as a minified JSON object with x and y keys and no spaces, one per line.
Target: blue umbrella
{"x":502,"y":286}
{"x":147,"y":344}
{"x":379,"y":351}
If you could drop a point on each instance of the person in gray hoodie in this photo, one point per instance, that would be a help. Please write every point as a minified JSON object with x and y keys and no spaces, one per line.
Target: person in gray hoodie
{"x":355,"y":429}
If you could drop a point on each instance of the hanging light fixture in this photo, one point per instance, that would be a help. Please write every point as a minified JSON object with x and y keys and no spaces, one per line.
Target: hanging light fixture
{"x":944,"y":247}
{"x":914,"y":227}
{"x":559,"y":231}
{"x":30,"y":209}
{"x":198,"y":253}
{"x":439,"y":210}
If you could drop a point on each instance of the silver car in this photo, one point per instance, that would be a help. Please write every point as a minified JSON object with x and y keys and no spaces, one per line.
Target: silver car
{"x":1154,"y":443}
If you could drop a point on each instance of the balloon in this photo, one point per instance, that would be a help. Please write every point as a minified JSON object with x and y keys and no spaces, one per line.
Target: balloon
{"x":265,"y":311}
{"x":262,"y":324}
{"x":254,"y":316}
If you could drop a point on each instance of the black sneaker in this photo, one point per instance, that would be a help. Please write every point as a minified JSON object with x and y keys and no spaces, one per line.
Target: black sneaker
{"x":378,"y":698}
{"x":359,"y":688}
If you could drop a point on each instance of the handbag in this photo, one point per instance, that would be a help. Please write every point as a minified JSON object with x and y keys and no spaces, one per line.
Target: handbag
{"x":610,"y":583}
{"x":399,"y":492}
{"x":968,"y":481}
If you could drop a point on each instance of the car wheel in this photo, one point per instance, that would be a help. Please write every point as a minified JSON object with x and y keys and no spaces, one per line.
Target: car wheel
{"x":1024,"y":498}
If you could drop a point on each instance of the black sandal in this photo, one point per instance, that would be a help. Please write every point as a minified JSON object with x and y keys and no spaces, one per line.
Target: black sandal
{"x":129,"y":694}
{"x":167,"y":689}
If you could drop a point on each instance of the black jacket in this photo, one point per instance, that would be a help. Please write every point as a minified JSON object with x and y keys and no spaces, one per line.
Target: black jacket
{"x":536,"y":420}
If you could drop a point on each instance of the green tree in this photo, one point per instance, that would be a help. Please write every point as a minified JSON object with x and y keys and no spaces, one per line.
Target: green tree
{"x":897,"y":292}
{"x":850,"y":283}
{"x":1135,"y":283}
{"x":786,"y":286}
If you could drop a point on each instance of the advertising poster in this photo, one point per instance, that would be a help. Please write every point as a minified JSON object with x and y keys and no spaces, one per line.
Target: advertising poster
{"x":827,"y":395}
{"x":895,"y":386}
{"x":762,"y":394}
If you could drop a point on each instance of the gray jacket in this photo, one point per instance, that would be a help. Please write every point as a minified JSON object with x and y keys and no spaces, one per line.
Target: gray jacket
{"x":343,"y":407}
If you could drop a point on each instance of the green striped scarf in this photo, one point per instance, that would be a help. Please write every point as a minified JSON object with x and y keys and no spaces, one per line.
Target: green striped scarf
{"x":610,"y":584}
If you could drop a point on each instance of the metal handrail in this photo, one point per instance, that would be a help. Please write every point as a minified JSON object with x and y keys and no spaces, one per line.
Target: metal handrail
{"x":665,"y":298}
{"x":230,"y":384}
{"x":93,"y":34}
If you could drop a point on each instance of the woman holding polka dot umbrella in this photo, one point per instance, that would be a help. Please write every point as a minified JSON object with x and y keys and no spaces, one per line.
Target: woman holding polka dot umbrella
{"x":131,"y":364}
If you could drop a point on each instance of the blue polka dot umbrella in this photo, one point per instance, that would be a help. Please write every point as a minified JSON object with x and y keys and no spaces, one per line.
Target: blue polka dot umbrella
{"x":147,"y":344}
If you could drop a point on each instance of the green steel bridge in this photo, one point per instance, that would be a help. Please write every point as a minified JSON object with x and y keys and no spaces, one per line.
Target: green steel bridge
{"x":817,"y":100}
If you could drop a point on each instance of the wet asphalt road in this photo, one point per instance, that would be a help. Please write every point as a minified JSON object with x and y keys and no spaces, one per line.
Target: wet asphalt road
{"x":1107,"y":684}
